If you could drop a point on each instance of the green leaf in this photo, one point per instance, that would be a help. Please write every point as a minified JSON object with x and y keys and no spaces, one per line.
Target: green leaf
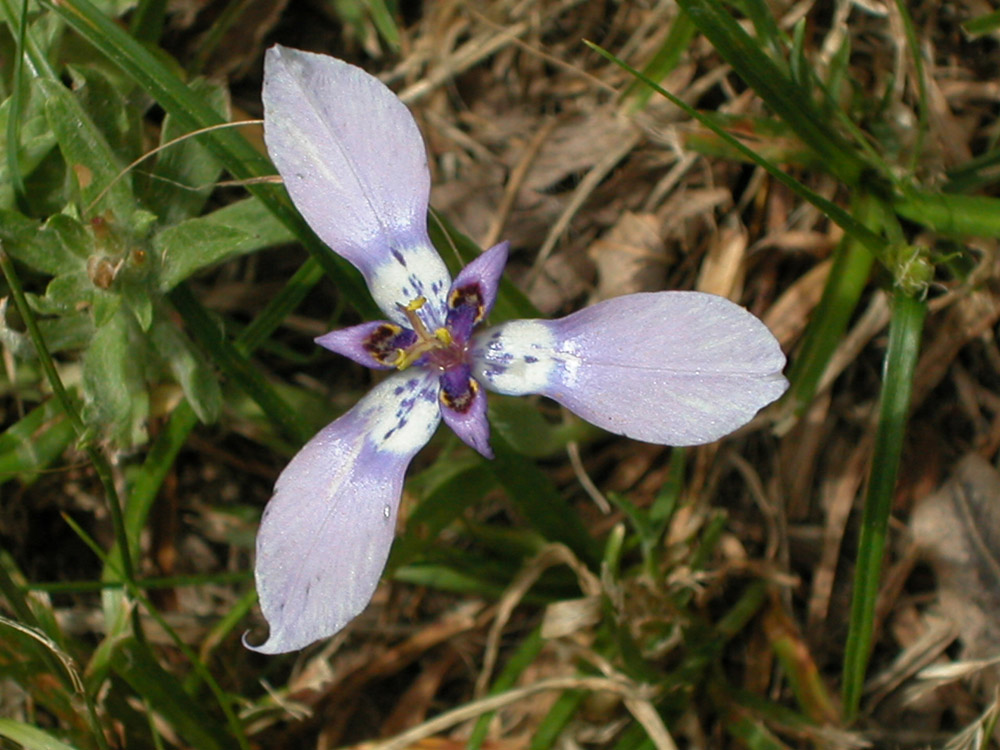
{"x":35,"y":141}
{"x":106,"y":108}
{"x":16,"y":231}
{"x":114,"y":384}
{"x":137,"y":298}
{"x":31,"y":738}
{"x":237,"y":229}
{"x":195,"y":375}
{"x":186,"y":170}
{"x":34,"y":442}
{"x":105,"y":307}
{"x":69,"y":333}
{"x":88,"y":156}
{"x":61,"y":245}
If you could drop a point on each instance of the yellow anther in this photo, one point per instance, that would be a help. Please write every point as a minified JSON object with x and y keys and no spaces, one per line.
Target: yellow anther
{"x":426,"y":341}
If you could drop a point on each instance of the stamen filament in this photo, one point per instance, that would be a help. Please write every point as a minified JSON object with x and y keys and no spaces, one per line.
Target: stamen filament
{"x":426,"y":341}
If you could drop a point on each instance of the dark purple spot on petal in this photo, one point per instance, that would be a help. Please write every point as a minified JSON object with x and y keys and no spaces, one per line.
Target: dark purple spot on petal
{"x":530,"y":360}
{"x":384,"y":343}
{"x":458,"y":389}
{"x":399,"y":257}
{"x":465,"y":308}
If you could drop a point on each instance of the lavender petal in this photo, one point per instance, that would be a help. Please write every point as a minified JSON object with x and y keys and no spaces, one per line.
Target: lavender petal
{"x":677,"y":368}
{"x":325,"y":534}
{"x":354,"y":164}
{"x":373,"y":344}
{"x":474,"y":290}
{"x":463,"y":408}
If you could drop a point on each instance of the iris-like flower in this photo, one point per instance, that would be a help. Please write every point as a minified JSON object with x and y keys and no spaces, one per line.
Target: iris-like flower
{"x":677,"y":368}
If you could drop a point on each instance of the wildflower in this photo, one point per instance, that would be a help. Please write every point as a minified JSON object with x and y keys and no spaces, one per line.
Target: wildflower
{"x":677,"y":368}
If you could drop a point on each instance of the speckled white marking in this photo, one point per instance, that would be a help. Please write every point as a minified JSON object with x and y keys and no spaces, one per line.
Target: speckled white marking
{"x":402,"y":423}
{"x":522,"y":359}
{"x":392,"y":284}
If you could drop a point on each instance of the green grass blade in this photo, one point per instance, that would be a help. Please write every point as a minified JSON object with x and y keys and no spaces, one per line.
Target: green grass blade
{"x":955,"y":215}
{"x":682,"y":31}
{"x":847,"y":280}
{"x":465,"y":484}
{"x":108,"y":655}
{"x":30,"y":737}
{"x":766,"y":27}
{"x":291,"y":295}
{"x":18,"y":85}
{"x":384,"y":22}
{"x":772,"y":84}
{"x":900,"y":362}
{"x":561,"y":713}
{"x":136,"y":665}
{"x":974,"y":174}
{"x":147,"y":20}
{"x":984,"y":24}
{"x":521,"y":659}
{"x":30,"y":50}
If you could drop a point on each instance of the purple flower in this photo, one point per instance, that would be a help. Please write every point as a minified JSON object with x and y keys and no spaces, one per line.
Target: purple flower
{"x":678,"y":368}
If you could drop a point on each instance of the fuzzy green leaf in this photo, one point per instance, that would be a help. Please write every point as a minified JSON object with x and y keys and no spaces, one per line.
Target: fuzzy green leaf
{"x":193,"y":372}
{"x":114,"y":383}
{"x":88,"y":156}
{"x":237,"y":229}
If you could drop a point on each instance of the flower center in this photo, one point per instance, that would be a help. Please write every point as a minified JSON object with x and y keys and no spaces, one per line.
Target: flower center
{"x":440,"y":347}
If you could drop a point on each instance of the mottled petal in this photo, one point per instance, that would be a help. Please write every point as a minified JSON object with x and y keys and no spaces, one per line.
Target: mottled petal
{"x":325,"y":534}
{"x":677,"y":368}
{"x":354,"y":163}
{"x":463,"y":407}
{"x":474,"y":291}
{"x":374,"y":344}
